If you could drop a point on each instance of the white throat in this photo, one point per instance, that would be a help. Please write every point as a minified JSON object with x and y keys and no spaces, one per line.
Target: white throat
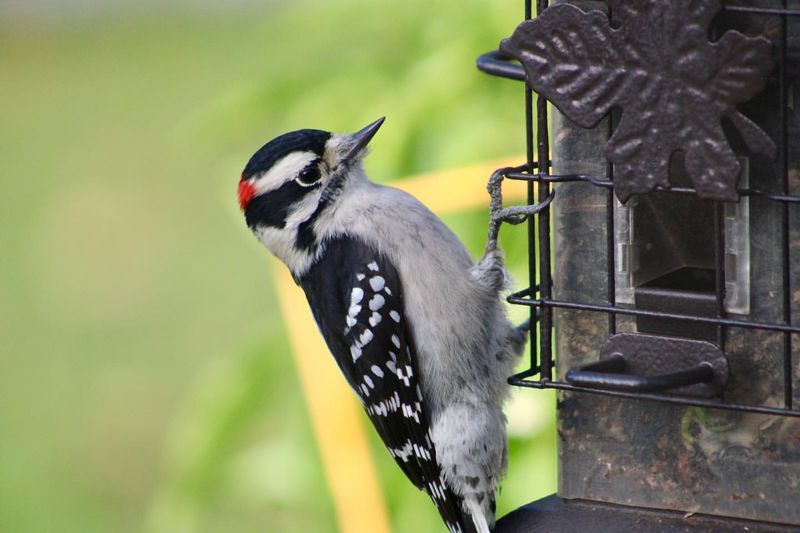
{"x":283,"y":242}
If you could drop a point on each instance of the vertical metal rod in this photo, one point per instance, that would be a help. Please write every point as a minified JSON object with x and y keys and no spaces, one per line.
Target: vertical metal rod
{"x":719,"y":267}
{"x":532,"y":220}
{"x":610,"y":255}
{"x":719,"y":250}
{"x":786,"y":262}
{"x":543,"y":156}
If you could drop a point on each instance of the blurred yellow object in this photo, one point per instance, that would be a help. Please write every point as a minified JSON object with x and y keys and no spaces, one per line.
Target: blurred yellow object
{"x":463,"y":188}
{"x":335,"y":413}
{"x":335,"y":418}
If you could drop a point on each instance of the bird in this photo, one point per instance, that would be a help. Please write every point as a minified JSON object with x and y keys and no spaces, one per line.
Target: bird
{"x":417,"y":328}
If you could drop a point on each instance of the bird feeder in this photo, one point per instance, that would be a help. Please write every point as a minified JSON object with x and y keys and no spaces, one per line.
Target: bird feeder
{"x":664,"y":146}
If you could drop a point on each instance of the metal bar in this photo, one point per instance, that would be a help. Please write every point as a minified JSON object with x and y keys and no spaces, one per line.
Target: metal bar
{"x":763,"y":11}
{"x":785,"y":198}
{"x":523,"y":293}
{"x":631,"y":383}
{"x":786,"y":249}
{"x":746,"y":324}
{"x":531,"y":226}
{"x":520,"y":381}
{"x":610,"y":252}
{"x":543,"y":219}
{"x":602,"y":182}
{"x":719,"y":263}
{"x":495,"y":64}
{"x":525,"y":374}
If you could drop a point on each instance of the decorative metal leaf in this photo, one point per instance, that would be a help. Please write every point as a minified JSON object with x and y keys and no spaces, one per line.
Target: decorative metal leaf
{"x":673,"y":85}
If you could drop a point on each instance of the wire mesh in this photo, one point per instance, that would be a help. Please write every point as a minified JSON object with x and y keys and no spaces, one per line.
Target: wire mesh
{"x":539,"y":295}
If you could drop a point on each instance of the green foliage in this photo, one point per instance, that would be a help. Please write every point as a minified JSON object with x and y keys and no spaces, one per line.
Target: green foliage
{"x":145,"y":376}
{"x":241,"y":453}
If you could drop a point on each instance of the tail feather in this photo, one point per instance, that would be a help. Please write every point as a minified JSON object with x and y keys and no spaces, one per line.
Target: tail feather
{"x":460,"y":514}
{"x":477,"y":515}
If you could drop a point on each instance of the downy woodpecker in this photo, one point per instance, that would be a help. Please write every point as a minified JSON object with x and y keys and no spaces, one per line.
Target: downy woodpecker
{"x":418,"y":330}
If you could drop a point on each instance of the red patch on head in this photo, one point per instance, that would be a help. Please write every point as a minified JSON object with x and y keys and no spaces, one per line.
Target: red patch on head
{"x":246,"y":192}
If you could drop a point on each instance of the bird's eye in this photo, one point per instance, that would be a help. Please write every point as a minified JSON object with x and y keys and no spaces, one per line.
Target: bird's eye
{"x":309,"y":175}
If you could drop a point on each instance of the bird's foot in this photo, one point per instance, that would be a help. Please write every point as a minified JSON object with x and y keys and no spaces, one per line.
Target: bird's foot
{"x":513,"y":215}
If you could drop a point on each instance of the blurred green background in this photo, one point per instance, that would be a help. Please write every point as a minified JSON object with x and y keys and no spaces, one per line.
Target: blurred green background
{"x":145,"y":379}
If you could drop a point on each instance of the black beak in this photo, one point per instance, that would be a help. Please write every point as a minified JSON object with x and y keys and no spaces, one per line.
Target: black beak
{"x":360,"y":139}
{"x":354,"y":148}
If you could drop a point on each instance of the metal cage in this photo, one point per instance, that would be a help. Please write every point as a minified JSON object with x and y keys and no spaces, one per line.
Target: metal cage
{"x":582,"y":303}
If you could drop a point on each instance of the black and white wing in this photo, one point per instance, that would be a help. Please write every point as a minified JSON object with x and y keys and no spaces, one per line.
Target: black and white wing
{"x":357,"y":301}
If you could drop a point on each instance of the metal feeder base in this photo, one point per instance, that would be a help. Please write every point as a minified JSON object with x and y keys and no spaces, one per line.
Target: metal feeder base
{"x":557,"y":515}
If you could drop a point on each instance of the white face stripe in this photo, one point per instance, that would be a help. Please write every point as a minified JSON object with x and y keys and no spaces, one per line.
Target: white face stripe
{"x":303,"y":209}
{"x":284,"y":170}
{"x":282,"y":241}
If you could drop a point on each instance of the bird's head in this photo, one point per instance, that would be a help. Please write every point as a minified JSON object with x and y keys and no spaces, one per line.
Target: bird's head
{"x":292,"y":180}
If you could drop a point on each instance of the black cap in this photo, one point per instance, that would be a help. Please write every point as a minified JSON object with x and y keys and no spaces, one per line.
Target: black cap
{"x":279,"y":147}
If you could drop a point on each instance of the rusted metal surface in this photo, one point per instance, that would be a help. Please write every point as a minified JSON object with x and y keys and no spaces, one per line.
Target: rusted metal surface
{"x":674,"y":86}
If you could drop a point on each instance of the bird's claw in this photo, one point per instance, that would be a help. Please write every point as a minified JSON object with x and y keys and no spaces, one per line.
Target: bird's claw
{"x":513,"y":215}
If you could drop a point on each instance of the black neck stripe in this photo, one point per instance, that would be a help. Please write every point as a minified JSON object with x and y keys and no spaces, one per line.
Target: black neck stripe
{"x":306,"y":239}
{"x":271,"y":209}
